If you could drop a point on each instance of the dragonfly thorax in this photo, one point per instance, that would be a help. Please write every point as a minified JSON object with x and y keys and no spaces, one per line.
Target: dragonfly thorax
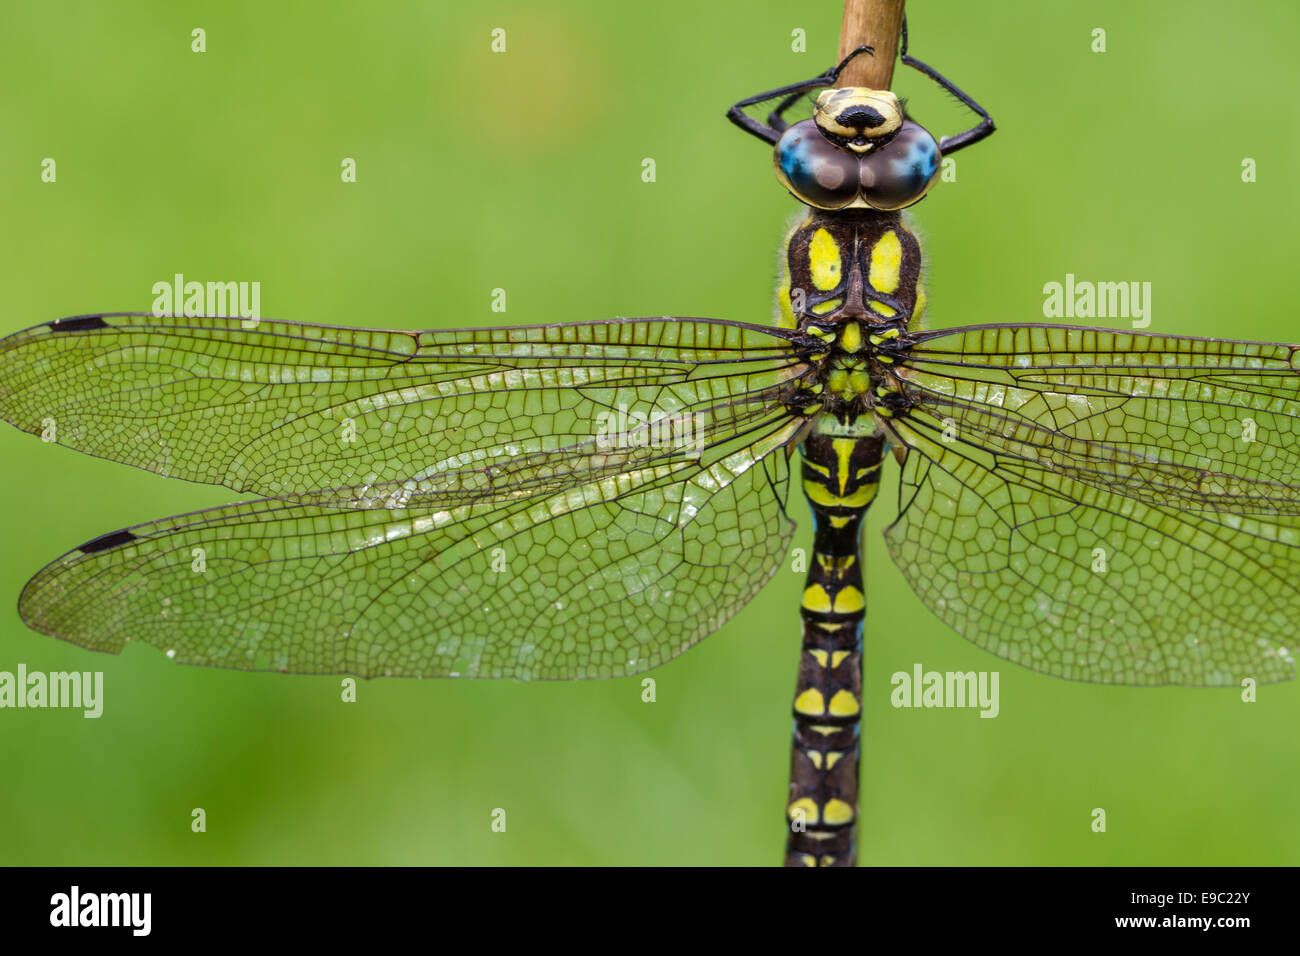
{"x":859,"y":265}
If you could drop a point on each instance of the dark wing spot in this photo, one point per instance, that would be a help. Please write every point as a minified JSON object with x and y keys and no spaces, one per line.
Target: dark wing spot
{"x":79,"y":323}
{"x":105,"y":541}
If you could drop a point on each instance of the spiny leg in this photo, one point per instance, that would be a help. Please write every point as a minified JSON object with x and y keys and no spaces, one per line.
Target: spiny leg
{"x":950,"y":144}
{"x":771,"y":131}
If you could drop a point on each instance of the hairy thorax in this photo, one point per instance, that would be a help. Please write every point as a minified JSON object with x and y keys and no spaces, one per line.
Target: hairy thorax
{"x":853,"y":279}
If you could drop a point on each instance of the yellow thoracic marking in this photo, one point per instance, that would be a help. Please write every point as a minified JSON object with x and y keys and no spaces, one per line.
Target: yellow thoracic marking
{"x":808,"y":808}
{"x":827,"y":307}
{"x":816,"y":758}
{"x":815,"y":597}
{"x":849,"y":600}
{"x":810,"y":703}
{"x":878,"y":338}
{"x":880,"y":308}
{"x":843,"y":448}
{"x":820,"y":469}
{"x":851,"y":337}
{"x":918,"y":310}
{"x":886,"y":261}
{"x":844,"y":704}
{"x":824,"y":260}
{"x":839,"y":521}
{"x":863,"y":472}
{"x":783,"y":304}
{"x":820,"y":495}
{"x":837,"y":658}
{"x":821,"y":657}
{"x":837,"y":811}
{"x":833,"y":757}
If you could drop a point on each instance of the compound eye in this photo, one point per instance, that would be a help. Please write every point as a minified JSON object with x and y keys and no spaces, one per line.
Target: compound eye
{"x":900,"y":172}
{"x":817,"y":171}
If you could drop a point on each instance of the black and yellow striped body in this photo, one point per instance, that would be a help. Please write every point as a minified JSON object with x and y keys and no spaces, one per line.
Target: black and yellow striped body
{"x":852,"y":278}
{"x":840,"y":477}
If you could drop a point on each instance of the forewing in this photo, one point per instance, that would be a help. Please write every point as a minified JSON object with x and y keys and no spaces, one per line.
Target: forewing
{"x":1105,"y":506}
{"x":603,"y":579}
{"x":438,"y":418}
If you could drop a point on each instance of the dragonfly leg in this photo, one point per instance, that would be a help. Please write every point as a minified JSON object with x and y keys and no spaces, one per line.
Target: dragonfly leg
{"x":950,"y":144}
{"x":771,"y":130}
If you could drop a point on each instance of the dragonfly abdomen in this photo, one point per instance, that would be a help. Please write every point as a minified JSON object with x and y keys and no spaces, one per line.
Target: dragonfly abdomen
{"x":841,"y":474}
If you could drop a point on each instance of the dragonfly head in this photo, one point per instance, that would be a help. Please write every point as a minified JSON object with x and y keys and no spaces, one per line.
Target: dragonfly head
{"x":859,"y":117}
{"x":857,"y":152}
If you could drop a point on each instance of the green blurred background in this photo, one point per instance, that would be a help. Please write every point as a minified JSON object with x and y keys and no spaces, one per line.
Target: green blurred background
{"x":522,"y":171}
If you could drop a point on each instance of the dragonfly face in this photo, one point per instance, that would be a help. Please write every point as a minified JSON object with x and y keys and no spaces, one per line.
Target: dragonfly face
{"x":857,"y":152}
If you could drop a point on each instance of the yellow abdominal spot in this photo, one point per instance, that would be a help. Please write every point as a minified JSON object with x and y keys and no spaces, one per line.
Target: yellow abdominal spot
{"x":815,"y":597}
{"x":806,"y":808}
{"x":810,"y":702}
{"x":843,"y":448}
{"x":835,"y":565}
{"x":837,"y":811}
{"x":824,"y":260}
{"x":844,"y":704}
{"x":821,"y":495}
{"x":849,"y":601}
{"x":886,"y":260}
{"x":837,"y":658}
{"x":833,"y":757}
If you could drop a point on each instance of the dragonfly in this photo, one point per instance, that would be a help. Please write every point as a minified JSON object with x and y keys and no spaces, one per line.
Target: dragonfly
{"x":590,"y":499}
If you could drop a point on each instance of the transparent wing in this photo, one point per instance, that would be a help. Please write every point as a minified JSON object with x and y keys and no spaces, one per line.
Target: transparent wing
{"x":604,"y":579}
{"x":435,"y":418}
{"x":1105,"y":506}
